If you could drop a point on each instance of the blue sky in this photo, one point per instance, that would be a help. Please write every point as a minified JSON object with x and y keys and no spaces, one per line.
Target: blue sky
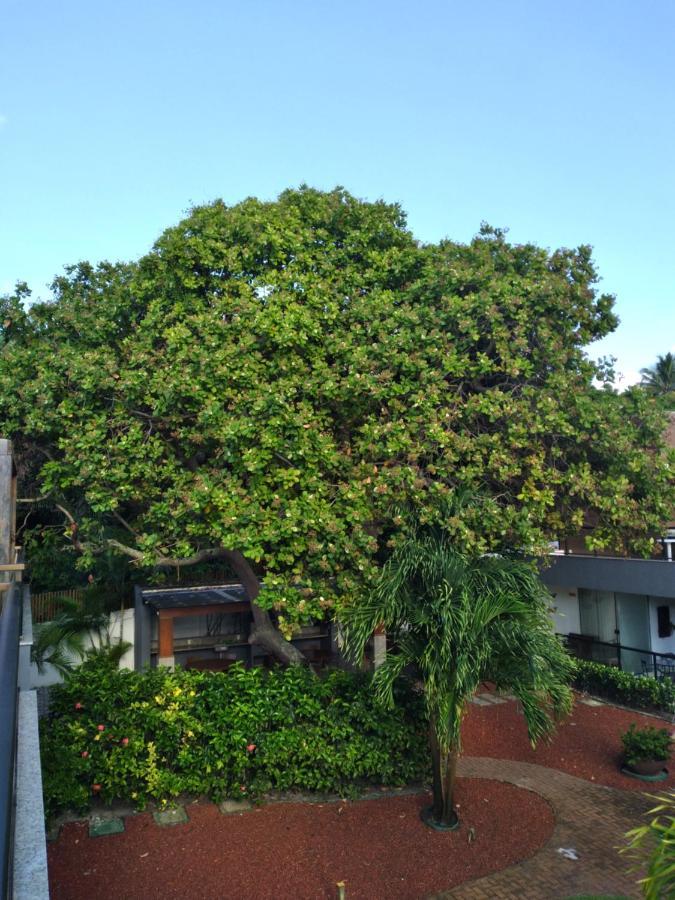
{"x":554,"y":119}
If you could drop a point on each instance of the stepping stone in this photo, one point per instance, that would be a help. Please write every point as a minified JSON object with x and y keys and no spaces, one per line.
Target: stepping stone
{"x":100,"y":826}
{"x":174,"y":816}
{"x":491,"y":698}
{"x":591,"y":702}
{"x":227,"y":807}
{"x":478,"y":702}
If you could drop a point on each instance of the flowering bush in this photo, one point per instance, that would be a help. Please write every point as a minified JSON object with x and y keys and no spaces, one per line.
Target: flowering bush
{"x":157,"y":734}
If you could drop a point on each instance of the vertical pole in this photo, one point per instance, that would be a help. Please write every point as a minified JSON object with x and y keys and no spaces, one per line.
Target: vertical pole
{"x":379,"y":646}
{"x":165,"y":655}
{"x":7,"y":507}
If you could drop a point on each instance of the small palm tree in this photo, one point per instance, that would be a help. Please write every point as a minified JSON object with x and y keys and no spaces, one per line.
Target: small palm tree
{"x":456,"y":621}
{"x":659,"y":379}
{"x":62,"y":641}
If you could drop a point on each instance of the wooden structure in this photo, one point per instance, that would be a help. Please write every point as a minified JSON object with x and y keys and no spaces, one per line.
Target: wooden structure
{"x":158,"y":610}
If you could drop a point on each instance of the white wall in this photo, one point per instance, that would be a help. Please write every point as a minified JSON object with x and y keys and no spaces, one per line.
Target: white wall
{"x":661,"y":645}
{"x":121,"y":626}
{"x":565,"y":610}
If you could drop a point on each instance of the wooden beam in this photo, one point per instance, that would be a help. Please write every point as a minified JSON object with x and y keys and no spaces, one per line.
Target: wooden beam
{"x":177,"y":612}
{"x":165,"y":636}
{"x":12,"y":567}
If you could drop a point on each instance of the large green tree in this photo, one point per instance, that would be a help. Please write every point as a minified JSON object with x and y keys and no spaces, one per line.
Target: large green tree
{"x":272,"y":378}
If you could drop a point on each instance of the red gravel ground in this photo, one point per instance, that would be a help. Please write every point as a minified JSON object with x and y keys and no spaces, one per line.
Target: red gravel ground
{"x":379,"y":848}
{"x":587,"y":745}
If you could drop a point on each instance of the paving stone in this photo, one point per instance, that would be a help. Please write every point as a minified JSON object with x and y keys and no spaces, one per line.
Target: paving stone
{"x":478,"y":702}
{"x":175,"y":816}
{"x":227,"y":807}
{"x":491,"y":698}
{"x":589,"y":701}
{"x":590,"y":818}
{"x":101,"y":826}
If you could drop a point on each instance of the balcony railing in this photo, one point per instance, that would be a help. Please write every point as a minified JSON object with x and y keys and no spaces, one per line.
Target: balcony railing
{"x":10,"y":628}
{"x":630,"y":659}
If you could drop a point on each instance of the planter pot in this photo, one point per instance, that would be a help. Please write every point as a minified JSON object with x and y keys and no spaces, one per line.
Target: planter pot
{"x":648,"y":766}
{"x":647,"y":769}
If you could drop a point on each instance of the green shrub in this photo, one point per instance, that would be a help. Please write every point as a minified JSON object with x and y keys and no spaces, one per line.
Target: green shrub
{"x":638,"y":691}
{"x":157,"y":734}
{"x":646,"y":744}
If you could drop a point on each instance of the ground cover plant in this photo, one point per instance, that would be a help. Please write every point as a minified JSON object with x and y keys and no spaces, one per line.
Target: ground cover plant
{"x":638,"y":691}
{"x":153,"y":735}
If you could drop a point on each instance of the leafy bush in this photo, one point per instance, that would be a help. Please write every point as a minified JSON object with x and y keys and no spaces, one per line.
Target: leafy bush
{"x":653,"y":844}
{"x":639,"y":691}
{"x":157,"y":734}
{"x":646,"y":744}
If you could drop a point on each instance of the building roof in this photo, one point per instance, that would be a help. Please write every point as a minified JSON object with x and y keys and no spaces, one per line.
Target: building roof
{"x":194,"y":597}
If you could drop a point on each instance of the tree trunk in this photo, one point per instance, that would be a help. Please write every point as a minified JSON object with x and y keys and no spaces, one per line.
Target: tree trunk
{"x":444,"y":770}
{"x":264,"y":632}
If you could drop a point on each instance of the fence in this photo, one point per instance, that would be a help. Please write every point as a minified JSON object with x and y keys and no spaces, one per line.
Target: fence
{"x":47,"y":605}
{"x":629,"y":659}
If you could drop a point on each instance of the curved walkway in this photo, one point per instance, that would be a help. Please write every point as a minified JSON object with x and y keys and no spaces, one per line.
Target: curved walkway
{"x":591,"y":819}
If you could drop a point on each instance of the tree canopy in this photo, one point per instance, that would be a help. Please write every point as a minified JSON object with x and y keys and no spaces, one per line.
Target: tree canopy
{"x":274,"y":379}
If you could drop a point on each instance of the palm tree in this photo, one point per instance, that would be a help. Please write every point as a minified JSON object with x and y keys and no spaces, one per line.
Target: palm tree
{"x":456,"y":621}
{"x":62,"y":641}
{"x":659,"y":379}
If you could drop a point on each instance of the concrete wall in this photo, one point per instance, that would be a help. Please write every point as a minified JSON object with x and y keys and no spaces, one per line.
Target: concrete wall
{"x":654,"y":577}
{"x":121,"y":627}
{"x":565,"y":607}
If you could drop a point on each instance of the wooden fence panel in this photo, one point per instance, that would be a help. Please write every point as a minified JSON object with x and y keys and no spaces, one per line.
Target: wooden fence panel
{"x":47,"y":605}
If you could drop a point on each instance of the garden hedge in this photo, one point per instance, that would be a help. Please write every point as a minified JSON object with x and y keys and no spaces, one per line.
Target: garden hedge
{"x":154,"y":735}
{"x":638,"y":691}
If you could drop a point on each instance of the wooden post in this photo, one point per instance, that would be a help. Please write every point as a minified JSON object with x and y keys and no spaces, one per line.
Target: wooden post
{"x":7,"y":507}
{"x":165,"y":655}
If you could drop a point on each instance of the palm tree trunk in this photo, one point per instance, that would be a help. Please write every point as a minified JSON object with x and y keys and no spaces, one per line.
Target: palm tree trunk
{"x":444,"y":770}
{"x":449,"y":816}
{"x":437,"y":807}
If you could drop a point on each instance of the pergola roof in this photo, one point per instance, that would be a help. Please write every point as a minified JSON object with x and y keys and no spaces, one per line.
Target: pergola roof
{"x":194,"y":597}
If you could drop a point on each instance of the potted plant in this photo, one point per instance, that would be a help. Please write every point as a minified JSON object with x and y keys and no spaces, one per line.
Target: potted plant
{"x":646,"y":752}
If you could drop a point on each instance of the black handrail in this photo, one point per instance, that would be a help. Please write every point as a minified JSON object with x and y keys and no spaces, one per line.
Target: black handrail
{"x":10,"y":629}
{"x":577,"y":641}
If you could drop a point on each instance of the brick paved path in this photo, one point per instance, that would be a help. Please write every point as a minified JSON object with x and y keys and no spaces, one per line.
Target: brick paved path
{"x":590,"y":818}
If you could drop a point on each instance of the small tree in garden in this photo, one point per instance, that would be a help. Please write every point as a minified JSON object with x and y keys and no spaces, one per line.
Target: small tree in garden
{"x":457,"y":620}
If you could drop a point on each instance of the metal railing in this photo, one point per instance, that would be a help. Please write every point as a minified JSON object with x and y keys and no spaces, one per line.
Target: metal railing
{"x":10,"y":629}
{"x":631,"y":659}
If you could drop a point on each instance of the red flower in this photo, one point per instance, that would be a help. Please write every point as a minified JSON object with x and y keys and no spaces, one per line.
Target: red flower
{"x":85,"y":754}
{"x":101,"y":727}
{"x":250,"y":748}
{"x":124,"y":741}
{"x":78,"y":706}
{"x":96,"y":788}
{"x":242,"y":788}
